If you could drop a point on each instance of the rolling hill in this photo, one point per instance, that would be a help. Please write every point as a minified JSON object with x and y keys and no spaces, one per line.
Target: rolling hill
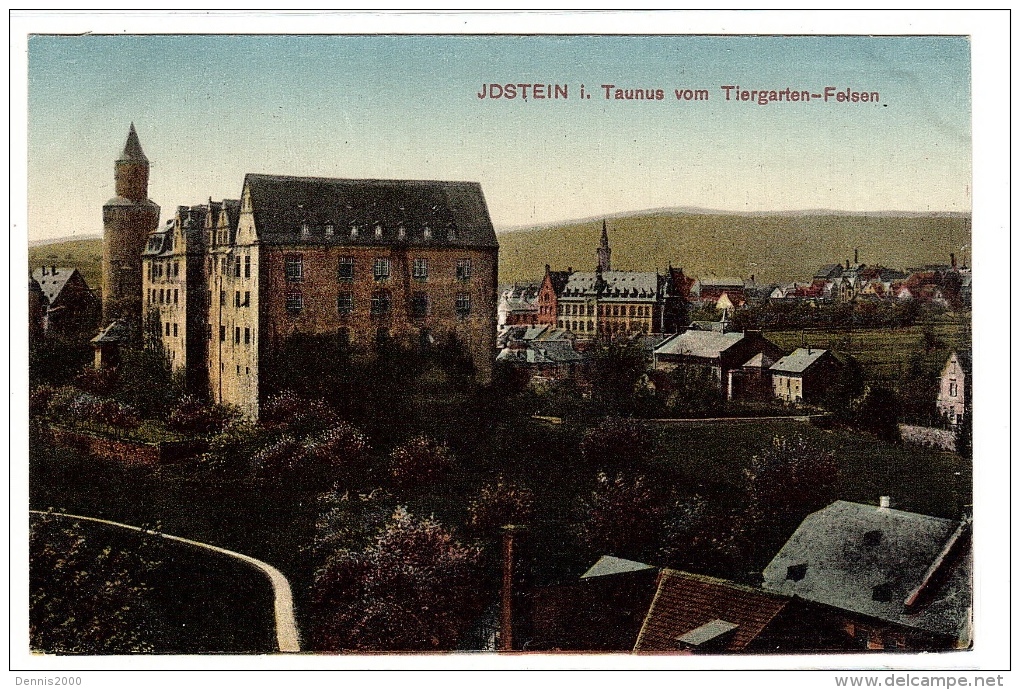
{"x":773,"y":247}
{"x":86,"y":255}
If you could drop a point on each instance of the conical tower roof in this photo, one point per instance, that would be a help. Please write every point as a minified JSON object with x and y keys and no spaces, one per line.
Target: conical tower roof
{"x":133,"y":148}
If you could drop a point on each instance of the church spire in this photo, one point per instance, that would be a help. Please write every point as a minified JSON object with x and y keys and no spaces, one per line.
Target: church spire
{"x":604,"y":252}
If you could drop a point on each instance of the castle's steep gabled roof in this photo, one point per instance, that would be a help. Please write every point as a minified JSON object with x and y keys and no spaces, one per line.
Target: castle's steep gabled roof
{"x":297,"y":210}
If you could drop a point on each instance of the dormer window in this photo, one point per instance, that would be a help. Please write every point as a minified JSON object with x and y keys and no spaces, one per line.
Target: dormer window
{"x":378,"y":231}
{"x":354,"y":231}
{"x":427,"y":233}
{"x":306,"y":232}
{"x":329,"y":230}
{"x":401,"y":232}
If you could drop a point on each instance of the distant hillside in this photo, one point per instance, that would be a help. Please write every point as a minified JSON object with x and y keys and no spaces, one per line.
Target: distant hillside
{"x":85,"y":255}
{"x":772,"y":247}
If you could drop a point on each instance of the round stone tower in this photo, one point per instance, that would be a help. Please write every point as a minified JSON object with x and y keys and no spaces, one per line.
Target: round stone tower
{"x":128,"y":218}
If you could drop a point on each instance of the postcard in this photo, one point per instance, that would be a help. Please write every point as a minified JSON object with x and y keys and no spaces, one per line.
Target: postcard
{"x":394,"y":348}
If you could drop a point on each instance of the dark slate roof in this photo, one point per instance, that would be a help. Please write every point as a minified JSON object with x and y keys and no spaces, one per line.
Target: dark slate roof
{"x":869,"y":560}
{"x":133,"y":147}
{"x":829,"y":271}
{"x":689,"y":608}
{"x":117,"y":332}
{"x":160,"y":240}
{"x":559,"y":280}
{"x":611,"y":565}
{"x":370,"y":212}
{"x":53,"y":281}
{"x":615,"y":285}
{"x":799,"y":361}
{"x":707,"y":344}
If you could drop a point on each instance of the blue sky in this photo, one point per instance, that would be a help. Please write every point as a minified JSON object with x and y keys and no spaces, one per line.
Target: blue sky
{"x":208,"y":109}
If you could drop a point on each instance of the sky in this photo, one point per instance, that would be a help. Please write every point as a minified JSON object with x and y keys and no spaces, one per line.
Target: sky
{"x":209,"y":109}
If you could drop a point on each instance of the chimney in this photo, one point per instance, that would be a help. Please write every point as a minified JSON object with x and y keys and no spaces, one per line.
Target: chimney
{"x":506,"y":613}
{"x":570,"y":269}
{"x":952,"y":260}
{"x":884,"y":502}
{"x":547,"y":268}
{"x":53,"y":270}
{"x":44,"y":270}
{"x":848,"y":264}
{"x":855,"y":255}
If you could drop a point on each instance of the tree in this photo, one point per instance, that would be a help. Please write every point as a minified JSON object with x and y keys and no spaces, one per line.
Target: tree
{"x":614,"y":443}
{"x":498,"y":504}
{"x":419,"y":461}
{"x":784,"y":484}
{"x":615,"y":368}
{"x":85,"y":596}
{"x":415,"y":588}
{"x":965,"y":436}
{"x":624,"y":515}
{"x":878,"y":413}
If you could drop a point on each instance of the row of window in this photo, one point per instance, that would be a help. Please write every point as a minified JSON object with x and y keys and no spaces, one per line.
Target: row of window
{"x":603,"y":310}
{"x":603,"y":327}
{"x":237,"y":265}
{"x":163,"y":296}
{"x":354,"y":232}
{"x":381,"y":269}
{"x":167,"y":328}
{"x":382,"y":303}
{"x":237,"y":334}
{"x":161,"y":269}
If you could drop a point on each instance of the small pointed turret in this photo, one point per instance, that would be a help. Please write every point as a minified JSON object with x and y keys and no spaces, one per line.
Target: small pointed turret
{"x":133,"y":147}
{"x":132,"y":170}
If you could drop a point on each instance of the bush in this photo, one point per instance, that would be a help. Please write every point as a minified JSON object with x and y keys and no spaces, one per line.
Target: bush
{"x":624,"y":515}
{"x":279,"y":460}
{"x":86,"y":597}
{"x":500,"y":504}
{"x":39,"y":400}
{"x":193,"y":416}
{"x":415,"y":588}
{"x":290,"y":412}
{"x":341,"y":446}
{"x":419,"y":461}
{"x":615,"y":443}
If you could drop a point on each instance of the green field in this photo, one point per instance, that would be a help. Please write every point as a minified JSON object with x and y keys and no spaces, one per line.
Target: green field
{"x":773,"y":248}
{"x":85,"y":255}
{"x":883,"y":352}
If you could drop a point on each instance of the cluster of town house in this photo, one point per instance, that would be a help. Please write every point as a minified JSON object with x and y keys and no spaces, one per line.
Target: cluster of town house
{"x":545,"y":327}
{"x":851,"y":577}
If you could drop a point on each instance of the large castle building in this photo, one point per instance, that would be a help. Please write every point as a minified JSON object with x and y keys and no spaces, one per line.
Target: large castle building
{"x":128,"y":218}
{"x":227,"y":284}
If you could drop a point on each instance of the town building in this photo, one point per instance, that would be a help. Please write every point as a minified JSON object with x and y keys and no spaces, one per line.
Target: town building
{"x":128,"y":218}
{"x":890,"y":579}
{"x":720,"y":356}
{"x":518,"y":305}
{"x":608,"y":303}
{"x":952,"y":397}
{"x":627,"y":606}
{"x":66,"y":304}
{"x":549,"y":293}
{"x":804,"y":375}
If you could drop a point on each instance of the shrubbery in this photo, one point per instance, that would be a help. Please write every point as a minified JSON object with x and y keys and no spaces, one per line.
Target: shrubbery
{"x":414,"y":588}
{"x":499,"y":504}
{"x":419,"y":461}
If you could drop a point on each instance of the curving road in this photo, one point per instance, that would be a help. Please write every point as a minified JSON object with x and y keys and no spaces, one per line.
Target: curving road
{"x":287,"y":638}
